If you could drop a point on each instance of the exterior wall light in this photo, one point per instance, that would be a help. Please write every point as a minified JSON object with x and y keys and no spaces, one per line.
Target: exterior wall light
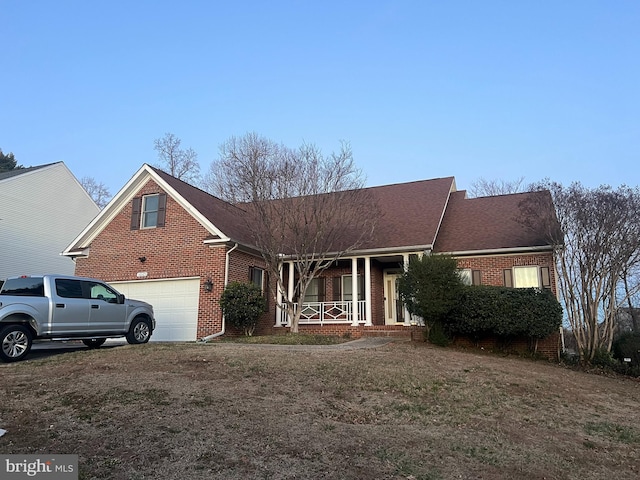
{"x":208,"y":285}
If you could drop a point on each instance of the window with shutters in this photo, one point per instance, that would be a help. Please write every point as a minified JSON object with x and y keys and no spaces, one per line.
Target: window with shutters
{"x":527,"y":277}
{"x":148,"y":211}
{"x":470,"y":277}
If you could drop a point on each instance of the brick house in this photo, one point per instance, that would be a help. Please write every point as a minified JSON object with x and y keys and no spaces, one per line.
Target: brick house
{"x":175,"y":246}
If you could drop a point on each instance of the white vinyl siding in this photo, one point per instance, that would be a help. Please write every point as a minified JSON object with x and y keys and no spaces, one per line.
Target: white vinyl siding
{"x":43,"y":210}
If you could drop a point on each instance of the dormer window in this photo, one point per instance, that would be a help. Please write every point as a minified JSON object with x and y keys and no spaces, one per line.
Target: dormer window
{"x":148,"y":211}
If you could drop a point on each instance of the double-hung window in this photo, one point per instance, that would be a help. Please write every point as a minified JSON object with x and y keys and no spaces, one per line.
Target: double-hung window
{"x":149,"y":211}
{"x":150,"y":204}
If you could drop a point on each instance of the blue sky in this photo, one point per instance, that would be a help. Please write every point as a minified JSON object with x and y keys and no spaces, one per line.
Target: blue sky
{"x":421,"y":89}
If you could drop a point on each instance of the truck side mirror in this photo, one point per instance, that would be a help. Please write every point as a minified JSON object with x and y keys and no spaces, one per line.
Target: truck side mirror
{"x":120,"y":298}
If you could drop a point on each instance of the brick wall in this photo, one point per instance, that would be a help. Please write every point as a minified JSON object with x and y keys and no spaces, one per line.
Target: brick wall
{"x":239,"y":265}
{"x":492,"y":266}
{"x":548,"y":347}
{"x":173,"y":251}
{"x":492,"y":274}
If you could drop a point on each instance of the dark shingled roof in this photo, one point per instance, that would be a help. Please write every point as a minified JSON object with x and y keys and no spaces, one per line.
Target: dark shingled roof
{"x":487,"y":223}
{"x":226,"y":217}
{"x":410,"y":213}
{"x":420,"y":214}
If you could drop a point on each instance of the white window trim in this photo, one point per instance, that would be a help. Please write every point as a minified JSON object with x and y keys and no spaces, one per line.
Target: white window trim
{"x":466,"y":275}
{"x":143,"y":211}
{"x":515,"y":277}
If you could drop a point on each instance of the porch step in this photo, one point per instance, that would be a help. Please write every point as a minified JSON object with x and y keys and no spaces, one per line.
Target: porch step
{"x":405,"y":333}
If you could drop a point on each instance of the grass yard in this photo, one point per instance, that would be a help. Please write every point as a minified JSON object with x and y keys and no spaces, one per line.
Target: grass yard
{"x":402,"y":411}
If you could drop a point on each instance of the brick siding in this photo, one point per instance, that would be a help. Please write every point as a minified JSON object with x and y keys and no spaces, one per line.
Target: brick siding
{"x":177,"y":250}
{"x":492,"y":266}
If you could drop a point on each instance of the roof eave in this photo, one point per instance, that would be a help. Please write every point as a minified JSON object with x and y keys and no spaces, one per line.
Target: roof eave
{"x":498,"y":251}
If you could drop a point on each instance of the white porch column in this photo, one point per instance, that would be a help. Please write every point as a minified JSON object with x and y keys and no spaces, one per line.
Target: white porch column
{"x":279,"y":298}
{"x":405,"y":265}
{"x":367,"y":291}
{"x":290,"y":287}
{"x":354,"y":292}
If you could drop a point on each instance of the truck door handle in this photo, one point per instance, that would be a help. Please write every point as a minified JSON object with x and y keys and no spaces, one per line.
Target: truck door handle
{"x":59,"y":305}
{"x":95,"y":306}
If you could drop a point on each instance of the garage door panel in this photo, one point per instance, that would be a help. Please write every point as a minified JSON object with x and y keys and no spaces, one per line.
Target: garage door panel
{"x":175,"y":304}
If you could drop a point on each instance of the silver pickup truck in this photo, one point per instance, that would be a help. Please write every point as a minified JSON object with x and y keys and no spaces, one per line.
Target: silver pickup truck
{"x":58,"y":307}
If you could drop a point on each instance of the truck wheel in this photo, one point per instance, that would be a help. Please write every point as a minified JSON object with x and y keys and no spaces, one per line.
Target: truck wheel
{"x":15,"y":342}
{"x":139,"y":332}
{"x":94,"y":342}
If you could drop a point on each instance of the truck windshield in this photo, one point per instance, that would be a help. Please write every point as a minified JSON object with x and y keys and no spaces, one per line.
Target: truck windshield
{"x":24,"y":286}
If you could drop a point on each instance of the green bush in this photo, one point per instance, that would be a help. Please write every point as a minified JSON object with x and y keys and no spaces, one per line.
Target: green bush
{"x":430,"y":288}
{"x":627,"y":345}
{"x":242,"y":304}
{"x":603,"y":358}
{"x":438,"y":336}
{"x":505,"y":312}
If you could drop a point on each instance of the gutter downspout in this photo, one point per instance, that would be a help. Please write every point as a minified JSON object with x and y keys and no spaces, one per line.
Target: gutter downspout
{"x":226,"y":281}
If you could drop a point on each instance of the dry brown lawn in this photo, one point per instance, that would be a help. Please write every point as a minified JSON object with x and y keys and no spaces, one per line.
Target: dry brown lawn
{"x":404,"y":410}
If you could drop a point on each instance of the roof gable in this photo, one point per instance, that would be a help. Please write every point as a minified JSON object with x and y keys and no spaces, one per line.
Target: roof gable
{"x":227,"y":217}
{"x":203,"y":207}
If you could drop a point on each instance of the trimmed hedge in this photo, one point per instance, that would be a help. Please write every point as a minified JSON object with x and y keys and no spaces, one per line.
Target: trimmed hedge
{"x":484,"y":311}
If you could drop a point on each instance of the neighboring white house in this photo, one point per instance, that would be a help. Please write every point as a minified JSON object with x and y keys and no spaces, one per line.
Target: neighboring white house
{"x":42,"y":209}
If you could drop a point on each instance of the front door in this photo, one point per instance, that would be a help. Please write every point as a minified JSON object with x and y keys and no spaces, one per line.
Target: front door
{"x":393,"y":307}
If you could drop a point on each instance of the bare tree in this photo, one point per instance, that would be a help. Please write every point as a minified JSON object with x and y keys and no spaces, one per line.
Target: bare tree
{"x":182,"y":164}
{"x":301,"y":205}
{"x":599,"y":242}
{"x":97,"y":191}
{"x":488,"y":188}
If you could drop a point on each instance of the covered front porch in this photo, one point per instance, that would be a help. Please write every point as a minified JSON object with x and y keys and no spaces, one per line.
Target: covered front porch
{"x":359,"y":291}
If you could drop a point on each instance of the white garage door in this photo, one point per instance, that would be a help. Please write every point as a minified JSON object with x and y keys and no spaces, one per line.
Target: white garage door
{"x":175,"y":304}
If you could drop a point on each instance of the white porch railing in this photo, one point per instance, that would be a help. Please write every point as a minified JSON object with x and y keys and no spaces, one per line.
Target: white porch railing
{"x":320,"y":313}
